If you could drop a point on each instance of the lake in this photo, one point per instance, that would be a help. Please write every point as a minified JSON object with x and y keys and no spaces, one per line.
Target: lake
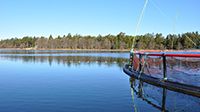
{"x":75,"y":81}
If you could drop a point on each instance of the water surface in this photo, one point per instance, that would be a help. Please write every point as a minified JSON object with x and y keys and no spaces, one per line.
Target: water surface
{"x":55,"y":81}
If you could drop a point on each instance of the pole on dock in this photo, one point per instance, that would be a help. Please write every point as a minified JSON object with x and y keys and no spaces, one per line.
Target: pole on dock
{"x":131,"y":58}
{"x":164,"y":67}
{"x":140,"y":63}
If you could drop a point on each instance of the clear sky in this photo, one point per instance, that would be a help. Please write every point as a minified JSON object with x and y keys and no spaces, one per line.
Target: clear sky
{"x":20,"y":18}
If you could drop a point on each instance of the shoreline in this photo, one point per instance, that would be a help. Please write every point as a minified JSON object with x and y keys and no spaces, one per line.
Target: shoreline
{"x":117,"y":50}
{"x":107,"y":50}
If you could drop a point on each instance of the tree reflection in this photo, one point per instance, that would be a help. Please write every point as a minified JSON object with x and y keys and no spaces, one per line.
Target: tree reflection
{"x":69,"y":60}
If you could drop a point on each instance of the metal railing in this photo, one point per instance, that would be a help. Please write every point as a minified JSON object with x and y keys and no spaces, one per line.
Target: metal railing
{"x":163,"y":56}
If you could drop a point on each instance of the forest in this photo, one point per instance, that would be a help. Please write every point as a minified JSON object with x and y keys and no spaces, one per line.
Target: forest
{"x":189,"y":40}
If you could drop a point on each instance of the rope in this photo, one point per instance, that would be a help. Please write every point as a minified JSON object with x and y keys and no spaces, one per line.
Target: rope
{"x":132,"y":94}
{"x":139,"y":21}
{"x":162,"y":12}
{"x":166,"y":16}
{"x":191,"y":40}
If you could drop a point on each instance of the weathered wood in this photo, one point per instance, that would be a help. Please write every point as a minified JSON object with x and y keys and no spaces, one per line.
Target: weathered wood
{"x":174,"y":86}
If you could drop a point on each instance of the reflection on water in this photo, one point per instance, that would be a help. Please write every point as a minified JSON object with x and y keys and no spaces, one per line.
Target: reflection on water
{"x":56,"y":81}
{"x":161,"y":99}
{"x":69,"y":60}
{"x":140,"y":93}
{"x":63,"y":84}
{"x":63,"y":53}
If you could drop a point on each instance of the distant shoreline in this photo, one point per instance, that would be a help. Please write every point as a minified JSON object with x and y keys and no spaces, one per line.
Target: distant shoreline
{"x":107,"y":50}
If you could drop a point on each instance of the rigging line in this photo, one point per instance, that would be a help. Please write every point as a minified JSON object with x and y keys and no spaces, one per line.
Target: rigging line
{"x":132,"y":93}
{"x":175,"y":21}
{"x":174,"y":29}
{"x":139,"y":21}
{"x":159,"y":9}
{"x":191,"y":40}
{"x":132,"y":96}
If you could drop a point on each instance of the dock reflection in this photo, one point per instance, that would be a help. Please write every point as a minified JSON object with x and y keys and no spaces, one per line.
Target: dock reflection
{"x":137,"y":88}
{"x":146,"y":96}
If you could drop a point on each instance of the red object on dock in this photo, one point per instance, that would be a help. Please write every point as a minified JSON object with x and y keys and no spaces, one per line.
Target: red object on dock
{"x":171,"y":55}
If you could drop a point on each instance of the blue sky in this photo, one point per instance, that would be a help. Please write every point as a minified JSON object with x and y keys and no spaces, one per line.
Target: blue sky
{"x":20,"y":18}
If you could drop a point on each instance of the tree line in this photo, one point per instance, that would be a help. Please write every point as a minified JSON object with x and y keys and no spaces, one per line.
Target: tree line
{"x":121,"y":41}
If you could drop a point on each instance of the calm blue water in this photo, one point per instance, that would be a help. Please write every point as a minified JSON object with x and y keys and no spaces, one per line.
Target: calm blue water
{"x":78,"y":82}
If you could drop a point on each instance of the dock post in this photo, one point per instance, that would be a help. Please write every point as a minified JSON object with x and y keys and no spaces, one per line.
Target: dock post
{"x":140,"y":62}
{"x":131,"y":59}
{"x":164,"y":67}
